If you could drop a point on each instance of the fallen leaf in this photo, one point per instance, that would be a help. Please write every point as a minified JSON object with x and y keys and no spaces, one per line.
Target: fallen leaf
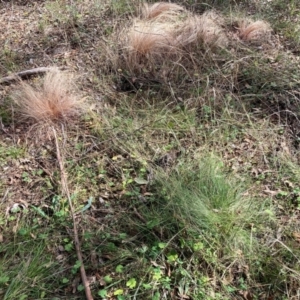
{"x":296,"y":235}
{"x":140,"y":180}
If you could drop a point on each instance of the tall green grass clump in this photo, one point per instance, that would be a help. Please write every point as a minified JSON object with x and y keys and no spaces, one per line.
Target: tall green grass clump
{"x":209,"y":211}
{"x":204,"y":198}
{"x":31,"y":264}
{"x":27,"y":271}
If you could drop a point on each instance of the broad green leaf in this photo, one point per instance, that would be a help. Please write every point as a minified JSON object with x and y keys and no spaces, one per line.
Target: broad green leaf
{"x":80,"y":288}
{"x":198,"y":246}
{"x":156,"y":296}
{"x":107,"y":279}
{"x":131,"y":283}
{"x":65,"y":280}
{"x":172,"y":257}
{"x":147,"y":286}
{"x":119,"y":269}
{"x":118,"y":292}
{"x":162,"y":245}
{"x":4,"y":279}
{"x":102,"y":293}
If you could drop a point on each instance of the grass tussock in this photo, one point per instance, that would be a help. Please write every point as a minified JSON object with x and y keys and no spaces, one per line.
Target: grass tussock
{"x":53,"y":100}
{"x":160,"y":9}
{"x":171,"y":30}
{"x":204,"y":30}
{"x":167,"y":31}
{"x":205,"y":198}
{"x":207,"y":207}
{"x":254,"y":31}
{"x":145,"y":39}
{"x":167,"y":43}
{"x":26,"y":268}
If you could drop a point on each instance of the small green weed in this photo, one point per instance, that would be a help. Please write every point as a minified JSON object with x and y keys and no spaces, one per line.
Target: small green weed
{"x":10,"y":153}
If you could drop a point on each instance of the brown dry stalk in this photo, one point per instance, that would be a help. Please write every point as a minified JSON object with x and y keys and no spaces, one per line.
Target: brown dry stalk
{"x":24,"y":74}
{"x":65,"y":190}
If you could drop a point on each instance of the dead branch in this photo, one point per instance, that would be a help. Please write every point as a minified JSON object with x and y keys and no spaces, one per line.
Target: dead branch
{"x":65,"y":189}
{"x":25,"y":74}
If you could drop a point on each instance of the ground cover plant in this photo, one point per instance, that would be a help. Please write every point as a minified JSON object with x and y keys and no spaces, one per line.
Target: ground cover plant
{"x":154,"y":153}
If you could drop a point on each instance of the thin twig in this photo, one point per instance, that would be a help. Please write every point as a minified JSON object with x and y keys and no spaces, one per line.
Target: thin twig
{"x":65,"y":189}
{"x":24,"y":74}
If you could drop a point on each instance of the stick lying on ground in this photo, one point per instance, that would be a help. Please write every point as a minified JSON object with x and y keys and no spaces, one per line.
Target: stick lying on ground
{"x":65,"y":190}
{"x":24,"y":74}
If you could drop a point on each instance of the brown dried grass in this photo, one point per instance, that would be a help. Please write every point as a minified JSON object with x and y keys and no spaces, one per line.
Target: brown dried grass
{"x":150,"y":38}
{"x":167,"y":31}
{"x":53,"y":100}
{"x":162,"y":9}
{"x":202,"y":30}
{"x":254,"y":31}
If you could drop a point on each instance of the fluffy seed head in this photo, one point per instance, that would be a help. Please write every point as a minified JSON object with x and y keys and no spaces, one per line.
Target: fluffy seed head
{"x":54,"y":99}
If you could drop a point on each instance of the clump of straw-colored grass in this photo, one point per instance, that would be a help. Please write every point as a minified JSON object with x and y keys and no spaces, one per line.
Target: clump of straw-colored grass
{"x":254,"y":31}
{"x":54,"y":99}
{"x":167,"y":31}
{"x":160,"y":8}
{"x":150,"y":38}
{"x":203,"y":30}
{"x":167,"y":40}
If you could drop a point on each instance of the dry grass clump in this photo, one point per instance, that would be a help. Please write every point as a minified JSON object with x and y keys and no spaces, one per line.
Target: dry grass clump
{"x":160,"y":8}
{"x":167,"y":31}
{"x":53,"y":100}
{"x":150,"y":38}
{"x":154,"y":34}
{"x":253,"y":31}
{"x":166,"y":42}
{"x":203,"y":30}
